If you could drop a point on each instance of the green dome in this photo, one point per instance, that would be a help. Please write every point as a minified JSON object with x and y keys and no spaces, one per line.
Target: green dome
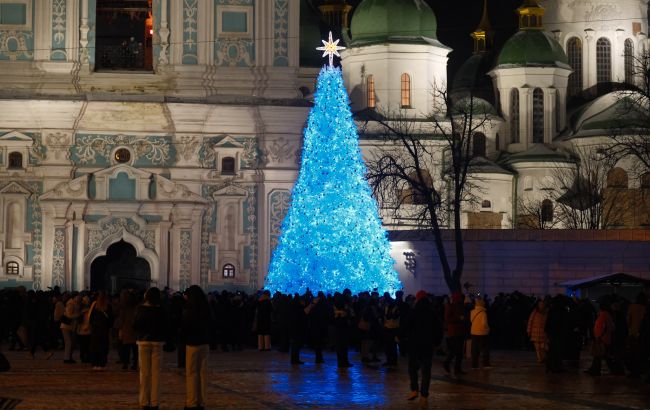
{"x":532,"y":48}
{"x":381,"y":21}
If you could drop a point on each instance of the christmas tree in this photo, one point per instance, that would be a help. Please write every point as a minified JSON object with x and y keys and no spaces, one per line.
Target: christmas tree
{"x":332,"y":238}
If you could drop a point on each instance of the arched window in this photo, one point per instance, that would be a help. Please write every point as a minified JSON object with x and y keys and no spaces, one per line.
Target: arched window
{"x":629,"y":61}
{"x":574,"y":52}
{"x":12,"y":268}
{"x":15,"y":160}
{"x":486,"y":204}
{"x":538,"y":116}
{"x":406,"y":91}
{"x":514,"y":115}
{"x":228,"y":165}
{"x":547,"y":210}
{"x":645,"y":180}
{"x":478,"y":150}
{"x":603,"y":60}
{"x":370,"y":90}
{"x":228,"y":270}
{"x":617,"y":178}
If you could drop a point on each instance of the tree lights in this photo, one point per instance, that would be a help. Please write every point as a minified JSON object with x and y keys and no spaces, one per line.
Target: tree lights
{"x":332,"y":236}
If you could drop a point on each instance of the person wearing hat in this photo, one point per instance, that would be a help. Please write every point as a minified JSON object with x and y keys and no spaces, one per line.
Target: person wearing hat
{"x":424,"y":332}
{"x":479,"y":333}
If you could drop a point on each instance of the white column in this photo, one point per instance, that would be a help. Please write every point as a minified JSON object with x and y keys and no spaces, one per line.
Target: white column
{"x":525,"y":116}
{"x":549,"y":115}
{"x":163,"y":58}
{"x":83,"y":33}
{"x":81,"y":253}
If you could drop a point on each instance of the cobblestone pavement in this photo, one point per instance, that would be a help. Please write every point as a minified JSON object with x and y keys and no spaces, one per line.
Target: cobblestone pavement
{"x":266,"y":380}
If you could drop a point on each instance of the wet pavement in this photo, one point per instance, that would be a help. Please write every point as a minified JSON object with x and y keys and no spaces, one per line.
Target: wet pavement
{"x":266,"y":380}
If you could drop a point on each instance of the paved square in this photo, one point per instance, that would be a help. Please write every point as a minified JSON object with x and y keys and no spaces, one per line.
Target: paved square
{"x":266,"y":380}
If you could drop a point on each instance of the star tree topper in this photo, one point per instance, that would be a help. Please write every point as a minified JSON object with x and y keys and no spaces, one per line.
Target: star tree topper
{"x":331,"y":48}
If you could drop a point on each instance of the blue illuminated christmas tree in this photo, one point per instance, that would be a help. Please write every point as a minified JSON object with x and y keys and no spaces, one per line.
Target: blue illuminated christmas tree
{"x":332,"y":236}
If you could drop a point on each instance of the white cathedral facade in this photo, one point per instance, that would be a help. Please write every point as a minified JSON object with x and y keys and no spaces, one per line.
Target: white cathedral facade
{"x":179,"y":142}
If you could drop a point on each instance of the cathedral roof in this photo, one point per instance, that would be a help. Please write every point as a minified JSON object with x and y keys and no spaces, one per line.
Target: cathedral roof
{"x":539,"y":153}
{"x":472,"y":79}
{"x":611,"y":112}
{"x":399,"y":21}
{"x":480,"y":165}
{"x":532,"y":48}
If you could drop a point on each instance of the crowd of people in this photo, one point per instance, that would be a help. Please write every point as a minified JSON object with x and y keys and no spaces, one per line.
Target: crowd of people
{"x":143,"y":325}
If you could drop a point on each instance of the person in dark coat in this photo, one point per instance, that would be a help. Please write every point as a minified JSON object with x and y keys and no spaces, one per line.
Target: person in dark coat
{"x":342,"y":320}
{"x":317,"y":321}
{"x":456,"y":323}
{"x":150,"y":326}
{"x":424,"y":332}
{"x":390,"y":329}
{"x":298,"y":327}
{"x":263,"y":323}
{"x":556,"y":324}
{"x":101,"y":323}
{"x":195,"y":331}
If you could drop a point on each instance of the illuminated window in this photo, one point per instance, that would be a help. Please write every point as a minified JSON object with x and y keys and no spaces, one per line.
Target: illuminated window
{"x":603,"y":60}
{"x":629,"y":61}
{"x":547,"y":210}
{"x":514,"y":115}
{"x":538,"y":116}
{"x":574,"y":52}
{"x":228,"y":271}
{"x":406,"y":91}
{"x":228,"y":165}
{"x":370,"y":90}
{"x":12,"y":268}
{"x":15,"y":160}
{"x":122,"y":155}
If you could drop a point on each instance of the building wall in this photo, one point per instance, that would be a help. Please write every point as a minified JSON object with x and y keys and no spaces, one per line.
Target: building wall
{"x":532,"y":262}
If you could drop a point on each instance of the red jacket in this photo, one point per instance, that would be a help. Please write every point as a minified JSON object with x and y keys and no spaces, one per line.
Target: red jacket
{"x":604,"y":327}
{"x":455,"y":319}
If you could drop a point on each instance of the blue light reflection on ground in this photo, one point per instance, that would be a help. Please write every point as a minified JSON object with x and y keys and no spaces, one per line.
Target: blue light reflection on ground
{"x":326,"y":386}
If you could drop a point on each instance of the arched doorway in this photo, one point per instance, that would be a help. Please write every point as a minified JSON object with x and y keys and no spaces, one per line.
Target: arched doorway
{"x":120,"y":268}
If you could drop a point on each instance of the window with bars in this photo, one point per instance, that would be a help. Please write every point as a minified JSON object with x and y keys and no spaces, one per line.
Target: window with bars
{"x":514,"y":115}
{"x":629,"y":61}
{"x":228,"y":271}
{"x":13,"y":268}
{"x":538,"y":116}
{"x":603,"y":61}
{"x":574,"y":52}
{"x":370,"y":91}
{"x":406,"y":91}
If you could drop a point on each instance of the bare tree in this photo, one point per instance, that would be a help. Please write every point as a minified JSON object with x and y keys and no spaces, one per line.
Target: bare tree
{"x":629,"y":130}
{"x":536,"y":214}
{"x":422,"y":166}
{"x":578,"y":197}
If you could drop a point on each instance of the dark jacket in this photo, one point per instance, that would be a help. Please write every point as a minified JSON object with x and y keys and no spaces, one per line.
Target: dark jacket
{"x":422,"y":328}
{"x":196,"y":327}
{"x":150,"y":323}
